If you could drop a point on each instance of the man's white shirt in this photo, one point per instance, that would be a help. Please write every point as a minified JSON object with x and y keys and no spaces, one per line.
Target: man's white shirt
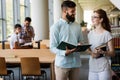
{"x":14,"y":38}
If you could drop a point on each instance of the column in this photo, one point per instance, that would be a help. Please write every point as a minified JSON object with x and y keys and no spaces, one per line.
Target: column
{"x":57,"y":9}
{"x":40,"y":19}
{"x":116,"y":21}
{"x":79,"y":12}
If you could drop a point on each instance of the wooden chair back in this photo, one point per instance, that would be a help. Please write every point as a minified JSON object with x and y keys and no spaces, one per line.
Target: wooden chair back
{"x":30,"y":66}
{"x":3,"y":69}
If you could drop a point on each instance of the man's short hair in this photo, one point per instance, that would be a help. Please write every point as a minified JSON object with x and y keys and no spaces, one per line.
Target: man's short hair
{"x":28,"y":19}
{"x":17,"y":26}
{"x":68,"y":4}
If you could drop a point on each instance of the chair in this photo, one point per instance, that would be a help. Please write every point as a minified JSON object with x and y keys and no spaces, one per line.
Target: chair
{"x":3,"y":70}
{"x":7,"y":45}
{"x":43,"y":46}
{"x":30,"y":66}
{"x":0,"y":45}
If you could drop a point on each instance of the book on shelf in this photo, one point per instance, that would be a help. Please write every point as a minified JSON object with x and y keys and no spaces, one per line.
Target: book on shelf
{"x":79,"y":48}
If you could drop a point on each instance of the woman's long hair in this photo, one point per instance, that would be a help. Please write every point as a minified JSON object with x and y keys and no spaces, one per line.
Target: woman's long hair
{"x":105,"y":22}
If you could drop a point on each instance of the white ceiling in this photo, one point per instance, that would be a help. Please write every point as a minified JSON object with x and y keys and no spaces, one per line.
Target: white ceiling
{"x":116,"y":3}
{"x":95,"y":4}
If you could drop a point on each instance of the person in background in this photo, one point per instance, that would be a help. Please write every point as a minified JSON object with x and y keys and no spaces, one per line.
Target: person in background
{"x":99,"y":65}
{"x":27,"y":31}
{"x":67,"y":62}
{"x":15,"y":39}
{"x":27,"y":34}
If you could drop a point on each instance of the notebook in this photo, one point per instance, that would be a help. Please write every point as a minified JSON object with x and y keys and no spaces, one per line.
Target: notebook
{"x":79,"y":48}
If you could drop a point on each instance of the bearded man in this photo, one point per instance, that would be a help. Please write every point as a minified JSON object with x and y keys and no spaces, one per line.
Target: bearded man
{"x":67,"y":62}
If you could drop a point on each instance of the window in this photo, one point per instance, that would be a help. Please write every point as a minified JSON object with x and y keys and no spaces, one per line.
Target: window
{"x":11,"y":13}
{"x":22,"y":11}
{"x":0,"y":29}
{"x":0,"y":9}
{"x":27,"y":8}
{"x":0,"y":21}
{"x":9,"y":17}
{"x":16,"y":11}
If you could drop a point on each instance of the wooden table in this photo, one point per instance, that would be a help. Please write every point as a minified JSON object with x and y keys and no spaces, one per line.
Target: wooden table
{"x":45,"y":42}
{"x":45,"y":56}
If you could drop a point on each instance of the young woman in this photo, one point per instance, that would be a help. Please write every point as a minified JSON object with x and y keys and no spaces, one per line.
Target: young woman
{"x":99,"y":66}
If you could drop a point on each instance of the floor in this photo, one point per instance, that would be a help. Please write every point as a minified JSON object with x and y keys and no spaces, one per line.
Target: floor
{"x":83,"y":71}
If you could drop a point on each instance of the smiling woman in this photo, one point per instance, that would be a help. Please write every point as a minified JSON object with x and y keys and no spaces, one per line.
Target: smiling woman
{"x":101,"y":35}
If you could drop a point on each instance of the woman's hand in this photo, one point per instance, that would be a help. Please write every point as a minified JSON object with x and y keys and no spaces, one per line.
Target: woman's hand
{"x":96,"y":53}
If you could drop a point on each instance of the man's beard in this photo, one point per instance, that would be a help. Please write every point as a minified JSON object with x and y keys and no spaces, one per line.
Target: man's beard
{"x":70,"y":18}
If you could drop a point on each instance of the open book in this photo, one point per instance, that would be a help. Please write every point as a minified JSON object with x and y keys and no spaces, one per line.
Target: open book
{"x":103,"y":47}
{"x":27,"y":44}
{"x":79,"y":48}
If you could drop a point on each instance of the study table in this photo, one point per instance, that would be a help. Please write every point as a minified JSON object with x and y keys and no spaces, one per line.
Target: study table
{"x":45,"y":42}
{"x":2,"y":45}
{"x":45,"y":57}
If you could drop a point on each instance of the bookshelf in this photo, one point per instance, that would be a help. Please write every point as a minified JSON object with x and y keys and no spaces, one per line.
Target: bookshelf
{"x":115,"y":61}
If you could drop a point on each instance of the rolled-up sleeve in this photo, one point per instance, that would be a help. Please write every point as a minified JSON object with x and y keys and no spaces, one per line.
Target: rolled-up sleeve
{"x":54,"y":41}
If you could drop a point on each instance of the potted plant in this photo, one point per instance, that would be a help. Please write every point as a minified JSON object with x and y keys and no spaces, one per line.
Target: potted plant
{"x":84,"y":31}
{"x":83,"y":25}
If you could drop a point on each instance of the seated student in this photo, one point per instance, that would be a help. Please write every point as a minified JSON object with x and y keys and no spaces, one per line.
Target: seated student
{"x":15,"y":39}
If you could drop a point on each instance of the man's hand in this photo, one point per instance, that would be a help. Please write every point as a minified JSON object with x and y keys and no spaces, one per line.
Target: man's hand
{"x":80,"y":43}
{"x":69,"y":51}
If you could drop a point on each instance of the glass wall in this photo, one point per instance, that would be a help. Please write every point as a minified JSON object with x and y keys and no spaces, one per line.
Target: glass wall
{"x":27,"y":8}
{"x":0,"y":29}
{"x":0,"y":21}
{"x":0,"y":8}
{"x":9,"y":17}
{"x":11,"y":13}
{"x":22,"y":11}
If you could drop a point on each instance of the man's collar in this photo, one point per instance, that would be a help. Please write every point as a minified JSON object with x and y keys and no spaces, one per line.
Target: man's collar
{"x":63,"y":20}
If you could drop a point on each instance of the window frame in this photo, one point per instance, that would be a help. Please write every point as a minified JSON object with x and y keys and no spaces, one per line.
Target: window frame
{"x":3,"y":20}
